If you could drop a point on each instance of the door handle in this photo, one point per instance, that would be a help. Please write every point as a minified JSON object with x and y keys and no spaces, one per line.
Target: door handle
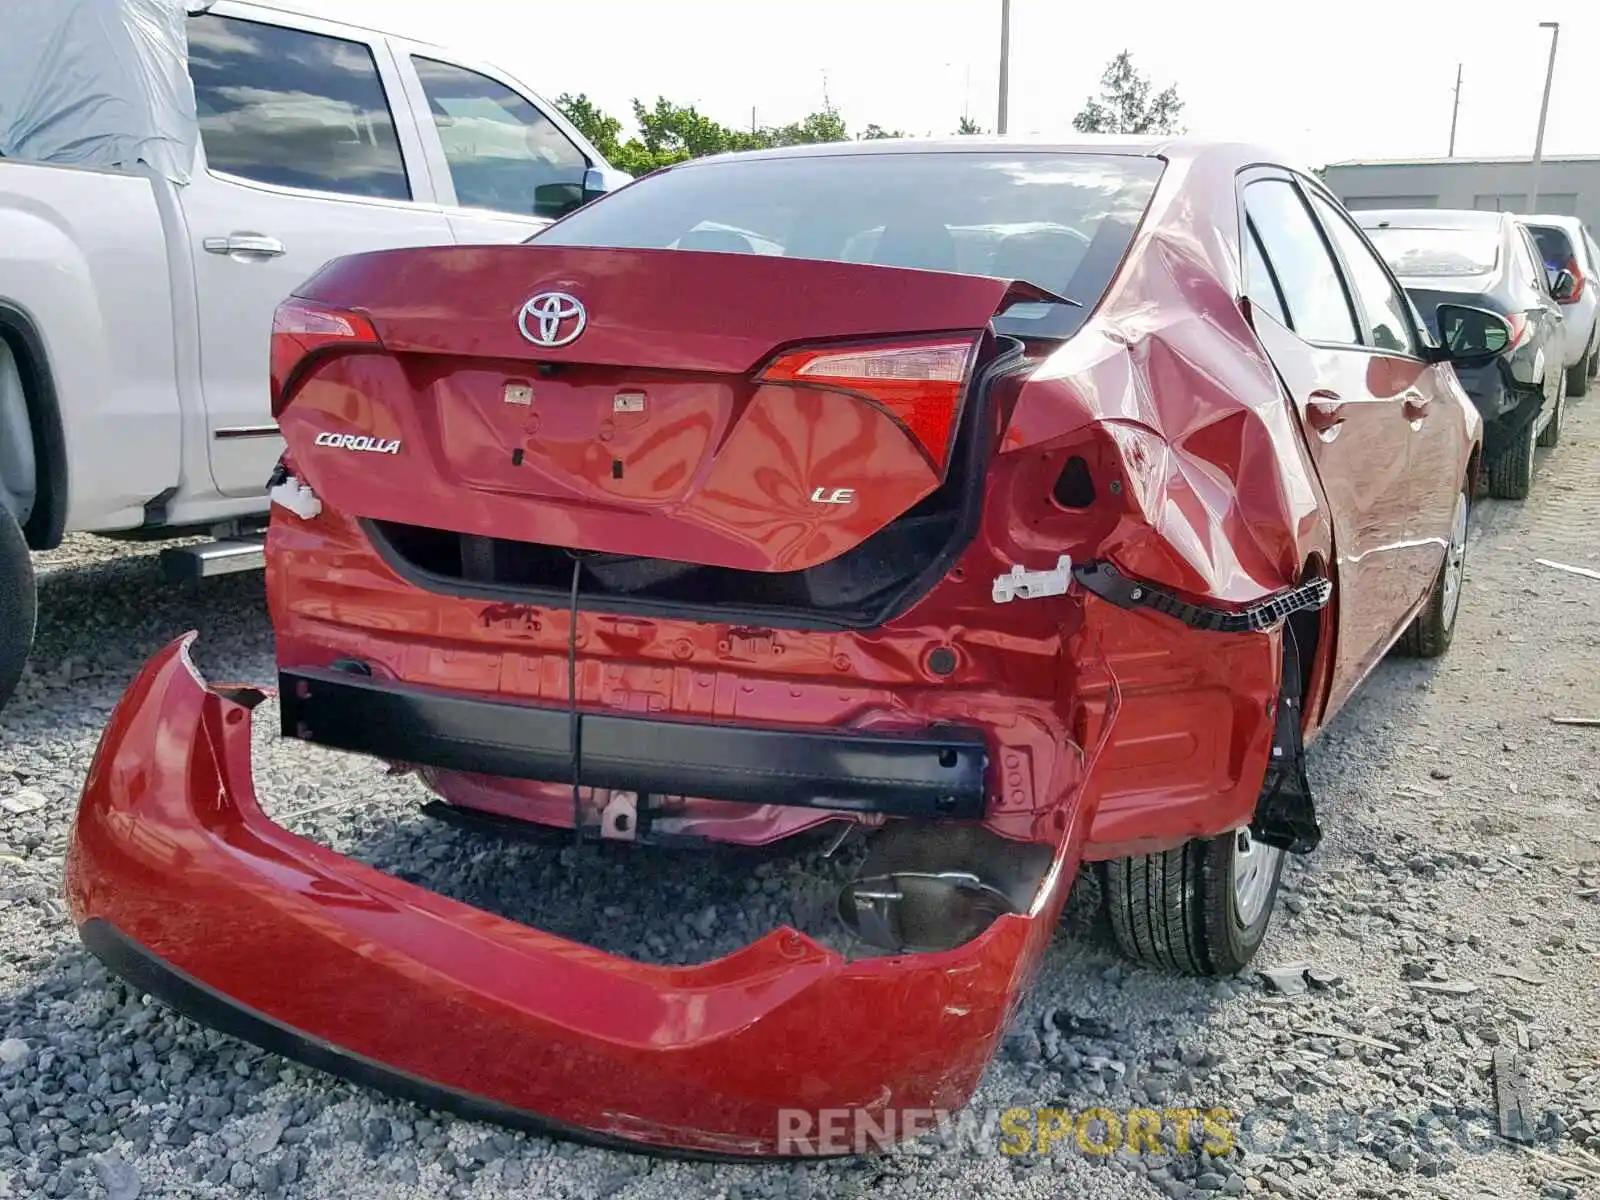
{"x":1416,"y":406}
{"x":1325,"y":410}
{"x":247,"y":245}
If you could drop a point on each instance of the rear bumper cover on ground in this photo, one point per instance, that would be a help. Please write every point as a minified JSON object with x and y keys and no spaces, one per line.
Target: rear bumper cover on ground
{"x":178,"y":880}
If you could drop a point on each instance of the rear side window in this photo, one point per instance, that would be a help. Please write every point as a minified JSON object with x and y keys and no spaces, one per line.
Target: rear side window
{"x":1313,"y":294}
{"x":1061,"y":221}
{"x":504,"y":154}
{"x":295,"y":109}
{"x":1438,"y":253}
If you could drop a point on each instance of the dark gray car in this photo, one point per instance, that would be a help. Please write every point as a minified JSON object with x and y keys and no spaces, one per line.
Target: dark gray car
{"x":1487,"y":260}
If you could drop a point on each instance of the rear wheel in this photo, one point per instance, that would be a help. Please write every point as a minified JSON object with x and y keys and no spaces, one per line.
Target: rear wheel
{"x":1203,"y":908}
{"x":1550,"y":435}
{"x":1511,"y":475}
{"x":17,"y":604}
{"x":1578,"y":378}
{"x":1429,"y":634}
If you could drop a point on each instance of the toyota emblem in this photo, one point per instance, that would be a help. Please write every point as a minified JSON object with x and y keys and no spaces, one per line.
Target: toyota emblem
{"x":553,"y":319}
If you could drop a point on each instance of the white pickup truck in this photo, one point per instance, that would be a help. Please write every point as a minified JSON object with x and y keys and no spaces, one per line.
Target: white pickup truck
{"x":135,"y":312}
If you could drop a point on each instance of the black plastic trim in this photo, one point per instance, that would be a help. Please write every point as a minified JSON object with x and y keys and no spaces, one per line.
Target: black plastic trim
{"x":937,"y":773}
{"x":148,"y":972}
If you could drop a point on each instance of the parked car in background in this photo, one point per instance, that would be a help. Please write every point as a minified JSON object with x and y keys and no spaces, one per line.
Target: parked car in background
{"x":1567,"y":244}
{"x":980,"y":500}
{"x":135,"y":311}
{"x":1487,"y":260}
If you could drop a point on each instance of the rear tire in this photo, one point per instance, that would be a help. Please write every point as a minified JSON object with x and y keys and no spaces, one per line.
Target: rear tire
{"x":1202,"y":909}
{"x":1578,"y":377}
{"x":1550,"y":435}
{"x":1511,"y":475}
{"x":18,"y":604}
{"x":1430,"y":631}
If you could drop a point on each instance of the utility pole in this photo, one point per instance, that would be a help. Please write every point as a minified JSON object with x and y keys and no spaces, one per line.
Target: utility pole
{"x":1455,"y":112}
{"x":1544,"y":109}
{"x":1005,"y":64}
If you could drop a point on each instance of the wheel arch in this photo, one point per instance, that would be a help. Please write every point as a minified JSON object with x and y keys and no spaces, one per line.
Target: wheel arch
{"x":47,"y":522}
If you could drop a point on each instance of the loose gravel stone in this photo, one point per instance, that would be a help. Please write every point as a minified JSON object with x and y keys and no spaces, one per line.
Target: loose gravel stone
{"x":1358,"y":1086}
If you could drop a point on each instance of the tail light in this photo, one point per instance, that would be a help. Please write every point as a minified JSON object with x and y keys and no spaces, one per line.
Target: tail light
{"x":302,"y":329}
{"x":1577,"y":280}
{"x":919,"y":384}
{"x":1520,"y":330}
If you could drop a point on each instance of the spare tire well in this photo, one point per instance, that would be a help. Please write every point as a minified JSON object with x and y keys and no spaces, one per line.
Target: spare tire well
{"x":47,"y":522}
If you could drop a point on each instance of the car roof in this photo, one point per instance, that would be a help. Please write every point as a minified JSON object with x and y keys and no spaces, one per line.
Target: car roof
{"x":1163,"y":146}
{"x":1429,"y":218}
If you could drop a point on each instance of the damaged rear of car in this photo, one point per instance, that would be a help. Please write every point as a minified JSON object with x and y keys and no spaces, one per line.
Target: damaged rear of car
{"x":938,"y":496}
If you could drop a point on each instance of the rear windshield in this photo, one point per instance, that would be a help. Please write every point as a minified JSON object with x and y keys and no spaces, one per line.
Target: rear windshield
{"x":1554,"y":246}
{"x":1433,"y":252}
{"x":1061,"y":221}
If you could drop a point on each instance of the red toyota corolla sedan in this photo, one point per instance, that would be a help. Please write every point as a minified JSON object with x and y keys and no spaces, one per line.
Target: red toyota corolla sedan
{"x":1008,"y":506}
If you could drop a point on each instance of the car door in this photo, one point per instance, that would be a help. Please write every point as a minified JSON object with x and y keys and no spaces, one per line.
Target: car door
{"x":505,"y":166}
{"x":303,"y":160}
{"x":1435,"y":432}
{"x":1353,"y":417}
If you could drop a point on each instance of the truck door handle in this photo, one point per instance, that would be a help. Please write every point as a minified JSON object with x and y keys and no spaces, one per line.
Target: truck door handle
{"x":1325,"y":411}
{"x":1416,"y":406}
{"x":245,"y":245}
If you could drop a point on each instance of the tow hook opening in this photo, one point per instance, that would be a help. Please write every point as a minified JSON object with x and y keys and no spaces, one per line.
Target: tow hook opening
{"x":927,"y":888}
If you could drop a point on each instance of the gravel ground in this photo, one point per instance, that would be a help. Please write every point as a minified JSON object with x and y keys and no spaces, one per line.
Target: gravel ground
{"x":1463,"y":828}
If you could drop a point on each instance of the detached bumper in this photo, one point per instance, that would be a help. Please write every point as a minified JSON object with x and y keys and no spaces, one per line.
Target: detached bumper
{"x":179,"y":883}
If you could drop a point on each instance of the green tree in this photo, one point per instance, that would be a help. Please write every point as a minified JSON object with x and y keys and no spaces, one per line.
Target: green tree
{"x":968,"y":127}
{"x":824,"y":126}
{"x":601,"y":130}
{"x":1125,"y":104}
{"x":873,"y":133}
{"x":670,"y":133}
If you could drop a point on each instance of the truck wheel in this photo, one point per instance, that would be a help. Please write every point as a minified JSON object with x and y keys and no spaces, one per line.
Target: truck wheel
{"x":1511,"y":475}
{"x":17,"y":604}
{"x":1202,"y":909}
{"x":1429,"y":634}
{"x":1550,"y":435}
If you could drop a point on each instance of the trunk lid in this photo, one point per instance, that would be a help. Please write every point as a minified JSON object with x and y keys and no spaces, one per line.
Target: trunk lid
{"x":643,"y":428}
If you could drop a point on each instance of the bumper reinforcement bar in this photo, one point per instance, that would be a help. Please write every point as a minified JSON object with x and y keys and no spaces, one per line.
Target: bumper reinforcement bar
{"x":1110,"y":584}
{"x":934,"y":773}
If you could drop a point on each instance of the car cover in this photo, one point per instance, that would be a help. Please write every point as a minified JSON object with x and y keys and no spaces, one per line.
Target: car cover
{"x":98,"y":83}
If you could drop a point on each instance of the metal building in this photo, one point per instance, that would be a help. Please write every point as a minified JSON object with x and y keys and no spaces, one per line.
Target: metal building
{"x":1568,"y":184}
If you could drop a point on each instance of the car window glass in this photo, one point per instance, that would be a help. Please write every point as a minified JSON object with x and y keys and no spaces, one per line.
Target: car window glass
{"x":1259,"y":285}
{"x":295,"y":109}
{"x":1387,"y":314}
{"x":1318,"y":309}
{"x":1554,"y":246}
{"x":504,"y":154}
{"x":1436,"y":253}
{"x":1061,"y":221}
{"x":1529,"y":262}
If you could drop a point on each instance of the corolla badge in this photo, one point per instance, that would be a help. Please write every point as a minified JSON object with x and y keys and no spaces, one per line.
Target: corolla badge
{"x":553,"y":319}
{"x":352,"y":441}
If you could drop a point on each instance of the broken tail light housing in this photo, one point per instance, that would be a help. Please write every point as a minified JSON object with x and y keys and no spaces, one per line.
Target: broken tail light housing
{"x":919,"y":384}
{"x":302,"y":330}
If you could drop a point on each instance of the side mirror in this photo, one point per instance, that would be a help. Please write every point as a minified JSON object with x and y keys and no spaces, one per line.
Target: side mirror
{"x":1471,"y":334}
{"x":1564,"y":286}
{"x":595,"y":184}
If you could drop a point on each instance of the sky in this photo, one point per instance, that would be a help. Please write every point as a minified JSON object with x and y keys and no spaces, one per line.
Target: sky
{"x":1322,"y":82}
